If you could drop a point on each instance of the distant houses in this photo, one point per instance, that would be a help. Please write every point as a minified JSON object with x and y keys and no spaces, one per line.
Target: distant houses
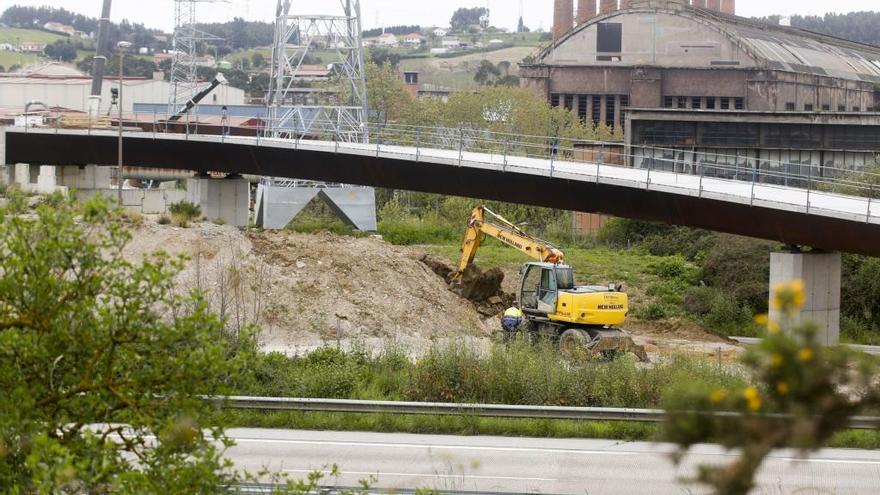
{"x":57,"y":27}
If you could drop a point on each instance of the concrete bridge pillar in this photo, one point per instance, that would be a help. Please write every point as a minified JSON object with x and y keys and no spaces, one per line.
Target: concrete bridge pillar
{"x":821,"y":274}
{"x":277,"y":206}
{"x":225,"y":199}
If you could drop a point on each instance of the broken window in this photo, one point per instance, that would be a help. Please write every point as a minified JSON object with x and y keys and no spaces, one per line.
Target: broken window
{"x":609,"y":38}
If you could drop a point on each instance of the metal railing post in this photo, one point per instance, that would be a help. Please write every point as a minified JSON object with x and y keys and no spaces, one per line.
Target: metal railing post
{"x":648,"y":183}
{"x":809,"y":187}
{"x":702,"y":172}
{"x":552,"y":158}
{"x":506,"y":150}
{"x":379,"y":143}
{"x":754,"y":180}
{"x":870,"y":198}
{"x":785,"y":172}
{"x":418,"y":143}
{"x":187,"y":126}
{"x":460,"y":145}
{"x":90,"y":124}
{"x":154,"y":123}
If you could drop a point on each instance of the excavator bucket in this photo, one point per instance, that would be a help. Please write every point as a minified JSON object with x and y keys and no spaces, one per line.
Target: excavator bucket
{"x":615,"y":341}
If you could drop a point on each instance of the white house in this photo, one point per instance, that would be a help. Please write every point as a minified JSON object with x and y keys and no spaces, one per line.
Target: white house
{"x":440,"y":32}
{"x":450,"y":43}
{"x":414,"y":39}
{"x":387,"y":39}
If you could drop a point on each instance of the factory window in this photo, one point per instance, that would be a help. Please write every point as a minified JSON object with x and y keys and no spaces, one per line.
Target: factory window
{"x":789,"y":107}
{"x":725,"y":103}
{"x":739,"y":104}
{"x":667,"y":102}
{"x":624,"y":103}
{"x":609,"y":37}
{"x":710,"y":103}
{"x":826,"y":108}
{"x":857,"y":109}
{"x":597,"y":109}
{"x":609,"y":111}
{"x":841,"y":108}
{"x":682,"y":102}
{"x":554,"y":100}
{"x":808,"y":107}
{"x":696,"y":102}
{"x":569,"y":102}
{"x":583,"y":103}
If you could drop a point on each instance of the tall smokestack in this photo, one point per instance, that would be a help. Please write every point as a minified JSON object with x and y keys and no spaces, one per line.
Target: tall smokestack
{"x":728,"y":7}
{"x":100,"y":59}
{"x":606,"y":6}
{"x":563,"y":17}
{"x":713,"y":5}
{"x":586,"y":11}
{"x":699,"y":3}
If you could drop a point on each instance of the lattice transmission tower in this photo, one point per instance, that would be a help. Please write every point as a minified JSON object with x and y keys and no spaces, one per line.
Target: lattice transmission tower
{"x":296,"y":110}
{"x":184,"y":64}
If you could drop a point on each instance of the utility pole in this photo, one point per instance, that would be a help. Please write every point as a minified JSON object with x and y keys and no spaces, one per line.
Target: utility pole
{"x":121,"y":47}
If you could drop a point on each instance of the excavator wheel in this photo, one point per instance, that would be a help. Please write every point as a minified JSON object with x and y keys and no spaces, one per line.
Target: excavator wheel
{"x":572,"y":340}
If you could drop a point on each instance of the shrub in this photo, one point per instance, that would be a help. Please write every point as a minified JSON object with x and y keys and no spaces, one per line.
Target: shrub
{"x":411,"y":232}
{"x":668,"y":293}
{"x":452,"y":374}
{"x":652,"y":311}
{"x":675,"y":267}
{"x":727,"y":317}
{"x":185,"y":210}
{"x":163,"y":220}
{"x":218,"y":221}
{"x":698,"y":300}
{"x":741,"y":267}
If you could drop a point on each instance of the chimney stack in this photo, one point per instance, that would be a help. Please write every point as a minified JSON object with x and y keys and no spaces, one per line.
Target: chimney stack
{"x":699,"y":3}
{"x":728,"y":7}
{"x":606,"y":6}
{"x":586,"y":11}
{"x":714,"y":5}
{"x":563,"y":17}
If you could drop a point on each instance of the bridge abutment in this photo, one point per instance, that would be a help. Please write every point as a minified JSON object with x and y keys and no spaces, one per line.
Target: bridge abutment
{"x":277,"y":206}
{"x":821,"y":275}
{"x":224,"y":199}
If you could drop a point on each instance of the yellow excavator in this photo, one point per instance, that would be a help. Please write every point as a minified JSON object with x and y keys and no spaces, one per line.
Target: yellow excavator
{"x":584,"y":316}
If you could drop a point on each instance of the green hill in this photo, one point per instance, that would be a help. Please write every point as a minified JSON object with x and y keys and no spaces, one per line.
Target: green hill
{"x":15,"y":36}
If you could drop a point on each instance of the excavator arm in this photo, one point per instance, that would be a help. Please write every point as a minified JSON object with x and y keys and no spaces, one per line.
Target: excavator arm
{"x":499,"y":228}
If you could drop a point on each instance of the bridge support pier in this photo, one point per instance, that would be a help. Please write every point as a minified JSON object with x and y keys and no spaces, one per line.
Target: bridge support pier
{"x":226,"y":199}
{"x":821,"y":274}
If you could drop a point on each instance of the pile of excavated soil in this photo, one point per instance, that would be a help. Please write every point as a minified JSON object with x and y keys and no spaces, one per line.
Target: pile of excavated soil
{"x":305,"y":289}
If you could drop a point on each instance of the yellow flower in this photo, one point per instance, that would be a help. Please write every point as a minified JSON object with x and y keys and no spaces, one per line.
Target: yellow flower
{"x":762,"y":319}
{"x":782,"y":388}
{"x":753,"y":399}
{"x":805,"y":354}
{"x":776,"y":360}
{"x":788,"y":297}
{"x":717,"y":395}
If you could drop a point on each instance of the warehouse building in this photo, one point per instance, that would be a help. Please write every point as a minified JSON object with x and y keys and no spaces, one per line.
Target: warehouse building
{"x":698,"y":55}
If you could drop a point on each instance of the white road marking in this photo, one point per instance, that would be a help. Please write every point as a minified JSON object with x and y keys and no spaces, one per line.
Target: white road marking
{"x":536,"y":450}
{"x":432,"y":475}
{"x":436,"y":447}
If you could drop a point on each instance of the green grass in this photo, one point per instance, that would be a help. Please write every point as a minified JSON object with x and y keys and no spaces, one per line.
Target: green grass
{"x":8,"y":59}
{"x":16,"y":36}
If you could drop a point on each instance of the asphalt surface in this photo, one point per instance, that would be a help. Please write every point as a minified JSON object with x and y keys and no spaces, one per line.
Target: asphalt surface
{"x":530,"y":465}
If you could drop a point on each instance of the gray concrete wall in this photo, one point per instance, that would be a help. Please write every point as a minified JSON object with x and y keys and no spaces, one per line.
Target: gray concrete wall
{"x":821,"y":274}
{"x":146,"y":201}
{"x":225,"y":199}
{"x":278,"y":206}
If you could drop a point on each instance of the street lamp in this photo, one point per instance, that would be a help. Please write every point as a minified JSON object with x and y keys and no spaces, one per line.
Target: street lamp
{"x":121,"y":47}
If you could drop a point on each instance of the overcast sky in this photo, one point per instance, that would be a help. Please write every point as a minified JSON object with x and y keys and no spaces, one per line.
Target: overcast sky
{"x":537,"y":13}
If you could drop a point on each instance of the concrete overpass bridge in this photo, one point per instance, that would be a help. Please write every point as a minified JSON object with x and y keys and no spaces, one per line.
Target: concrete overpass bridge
{"x":798,"y":209}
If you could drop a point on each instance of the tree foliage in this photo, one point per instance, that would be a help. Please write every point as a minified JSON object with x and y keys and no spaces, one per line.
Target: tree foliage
{"x":815,"y":389}
{"x":101,"y":361}
{"x":464,"y":18}
{"x":395,"y":30}
{"x":854,"y":26}
{"x":62,"y":50}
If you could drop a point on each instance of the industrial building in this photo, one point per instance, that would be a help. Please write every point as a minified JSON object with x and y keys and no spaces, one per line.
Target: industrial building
{"x":696,"y":55}
{"x":71,"y":90}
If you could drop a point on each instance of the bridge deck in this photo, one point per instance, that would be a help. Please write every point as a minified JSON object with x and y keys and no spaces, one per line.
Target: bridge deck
{"x":787,"y":214}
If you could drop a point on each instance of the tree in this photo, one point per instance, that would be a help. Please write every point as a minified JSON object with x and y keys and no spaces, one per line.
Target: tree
{"x":381,"y":56}
{"x":803,"y":394}
{"x":464,"y":18}
{"x":486,"y":73}
{"x":521,"y":26}
{"x":62,"y":50}
{"x":258,"y":60}
{"x":387,"y":94}
{"x":89,"y":338}
{"x":134,"y":66}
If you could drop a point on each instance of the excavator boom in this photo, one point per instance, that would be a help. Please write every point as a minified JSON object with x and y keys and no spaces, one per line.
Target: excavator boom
{"x":508,"y":233}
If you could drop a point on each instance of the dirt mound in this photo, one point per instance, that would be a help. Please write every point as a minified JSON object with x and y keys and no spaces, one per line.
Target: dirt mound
{"x":301,"y":288}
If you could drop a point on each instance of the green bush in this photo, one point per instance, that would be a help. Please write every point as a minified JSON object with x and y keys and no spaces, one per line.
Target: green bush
{"x":185,"y":210}
{"x":409,"y":232}
{"x":728,"y":317}
{"x":653,"y":311}
{"x":668,"y":293}
{"x":675,"y":267}
{"x":698,"y":300}
{"x":741,"y":267}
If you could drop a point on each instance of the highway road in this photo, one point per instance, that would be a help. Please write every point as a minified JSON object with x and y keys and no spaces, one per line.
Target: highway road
{"x":531,"y":465}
